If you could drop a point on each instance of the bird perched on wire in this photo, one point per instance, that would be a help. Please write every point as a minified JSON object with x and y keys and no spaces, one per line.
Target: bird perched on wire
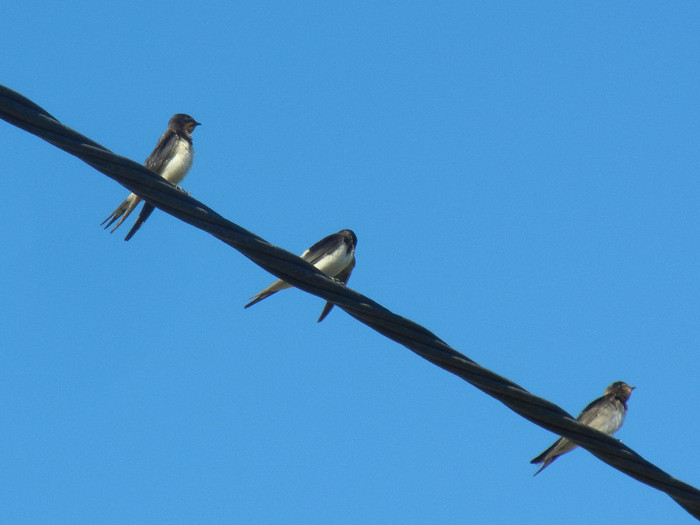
{"x":171,"y":159}
{"x":333,"y":255}
{"x":605,"y":414}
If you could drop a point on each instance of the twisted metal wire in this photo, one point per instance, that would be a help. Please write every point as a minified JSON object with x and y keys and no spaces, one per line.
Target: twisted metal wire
{"x":25,"y":114}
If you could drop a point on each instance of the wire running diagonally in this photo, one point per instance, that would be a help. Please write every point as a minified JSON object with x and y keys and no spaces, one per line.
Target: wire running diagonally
{"x":25,"y":114}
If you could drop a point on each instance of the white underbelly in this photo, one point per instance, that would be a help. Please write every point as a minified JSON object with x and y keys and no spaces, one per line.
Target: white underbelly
{"x":180,"y":164}
{"x":613,"y":423}
{"x":608,"y":420}
{"x":335,"y":262}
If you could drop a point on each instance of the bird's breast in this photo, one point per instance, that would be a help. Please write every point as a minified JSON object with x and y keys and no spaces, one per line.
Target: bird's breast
{"x":335,"y":262}
{"x":609,"y":418}
{"x":180,"y":163}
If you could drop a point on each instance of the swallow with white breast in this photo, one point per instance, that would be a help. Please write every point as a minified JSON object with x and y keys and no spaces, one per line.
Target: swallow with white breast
{"x":606,"y":414}
{"x":171,"y":159}
{"x":333,"y":255}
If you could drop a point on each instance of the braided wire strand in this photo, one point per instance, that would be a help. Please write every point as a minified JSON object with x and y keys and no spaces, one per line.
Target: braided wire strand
{"x":25,"y":114}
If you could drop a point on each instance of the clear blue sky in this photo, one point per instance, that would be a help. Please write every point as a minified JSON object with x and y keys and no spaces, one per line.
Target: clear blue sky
{"x":523,"y":181}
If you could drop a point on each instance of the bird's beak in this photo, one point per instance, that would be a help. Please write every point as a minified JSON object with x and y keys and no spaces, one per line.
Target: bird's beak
{"x":197,"y":123}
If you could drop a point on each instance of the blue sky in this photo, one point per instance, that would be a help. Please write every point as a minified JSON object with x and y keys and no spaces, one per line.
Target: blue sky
{"x":523,"y":181}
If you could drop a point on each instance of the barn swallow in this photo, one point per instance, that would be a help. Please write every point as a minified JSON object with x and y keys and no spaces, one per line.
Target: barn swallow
{"x":171,"y":159}
{"x":333,"y":255}
{"x":605,"y":414}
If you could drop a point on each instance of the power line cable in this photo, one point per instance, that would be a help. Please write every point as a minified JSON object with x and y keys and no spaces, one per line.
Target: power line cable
{"x":25,"y":114}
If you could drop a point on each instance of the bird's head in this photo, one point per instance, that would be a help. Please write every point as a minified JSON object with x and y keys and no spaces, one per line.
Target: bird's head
{"x":183,"y":122}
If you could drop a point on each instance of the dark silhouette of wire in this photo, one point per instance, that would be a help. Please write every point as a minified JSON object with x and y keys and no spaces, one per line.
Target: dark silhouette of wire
{"x":25,"y":114}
